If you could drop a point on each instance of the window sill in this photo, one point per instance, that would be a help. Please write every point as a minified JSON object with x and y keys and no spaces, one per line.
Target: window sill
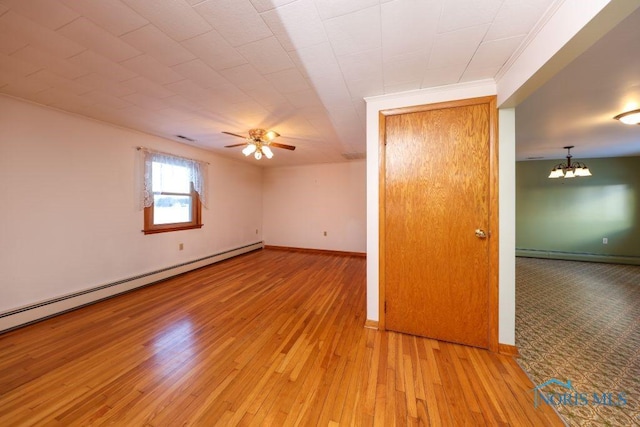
{"x":172,"y":228}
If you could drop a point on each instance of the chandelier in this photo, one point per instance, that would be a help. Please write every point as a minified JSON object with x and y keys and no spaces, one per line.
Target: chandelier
{"x":569,"y":169}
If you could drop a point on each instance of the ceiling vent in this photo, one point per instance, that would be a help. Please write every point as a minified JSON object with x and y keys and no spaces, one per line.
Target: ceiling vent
{"x":185,"y":138}
{"x":354,"y":156}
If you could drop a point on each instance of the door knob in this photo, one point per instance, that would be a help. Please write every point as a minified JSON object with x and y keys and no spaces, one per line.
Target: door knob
{"x":481,"y":234}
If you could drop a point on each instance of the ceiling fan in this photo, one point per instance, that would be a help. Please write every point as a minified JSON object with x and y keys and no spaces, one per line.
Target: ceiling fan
{"x":259,"y":142}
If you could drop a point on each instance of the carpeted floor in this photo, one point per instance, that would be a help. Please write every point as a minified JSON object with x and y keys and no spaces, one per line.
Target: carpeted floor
{"x":580,"y":322}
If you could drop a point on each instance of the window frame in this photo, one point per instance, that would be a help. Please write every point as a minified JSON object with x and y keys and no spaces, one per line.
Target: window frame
{"x":196,"y":215}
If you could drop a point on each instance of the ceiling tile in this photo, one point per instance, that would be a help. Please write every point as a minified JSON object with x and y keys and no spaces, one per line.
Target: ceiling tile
{"x":442,"y":76}
{"x":402,"y":87}
{"x":97,"y":64}
{"x":213,"y":49}
{"x":409,"y":26}
{"x":151,"y":40}
{"x":458,"y":14}
{"x":148,"y":67}
{"x":296,"y":25}
{"x":230,"y":93}
{"x":473,"y":74}
{"x":98,"y":40}
{"x":149,"y":103}
{"x":43,"y":59}
{"x":236,"y":20}
{"x":176,"y":19}
{"x":52,"y":15}
{"x":404,"y":69}
{"x":361,"y":65}
{"x":38,"y":36}
{"x":62,"y":99}
{"x":113,"y":16}
{"x":25,"y":87}
{"x":304,"y":98}
{"x":147,"y":87}
{"x":17,"y":67}
{"x":494,"y":53}
{"x":355,"y":32}
{"x":332,"y":8}
{"x":10,"y":42}
{"x":200,"y":73}
{"x":55,"y":81}
{"x":319,"y":60}
{"x":104,"y":84}
{"x":189,"y":90}
{"x":267,"y":95}
{"x":456,"y":47}
{"x":106,"y":100}
{"x":288,"y":81}
{"x":333,"y":91}
{"x":244,"y":76}
{"x":264,"y":5}
{"x":266,"y":55}
{"x":516,"y":18}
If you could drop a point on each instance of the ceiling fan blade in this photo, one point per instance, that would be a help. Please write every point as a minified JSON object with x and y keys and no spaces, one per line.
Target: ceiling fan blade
{"x":234,"y":145}
{"x":285,"y":146}
{"x":235,"y":134}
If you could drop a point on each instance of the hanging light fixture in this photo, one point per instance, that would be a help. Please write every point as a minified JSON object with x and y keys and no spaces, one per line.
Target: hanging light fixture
{"x":629,"y":118}
{"x":569,"y":170}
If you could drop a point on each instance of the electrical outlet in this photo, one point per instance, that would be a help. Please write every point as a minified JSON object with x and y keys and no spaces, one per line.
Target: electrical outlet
{"x":256,"y":231}
{"x":180,"y":246}
{"x":325,"y":233}
{"x":605,"y":241}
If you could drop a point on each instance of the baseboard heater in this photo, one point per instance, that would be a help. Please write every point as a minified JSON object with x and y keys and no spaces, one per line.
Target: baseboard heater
{"x":577,"y":256}
{"x":35,"y":312}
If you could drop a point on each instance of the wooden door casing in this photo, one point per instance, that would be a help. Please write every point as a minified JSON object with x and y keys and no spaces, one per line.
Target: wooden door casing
{"x":438,"y":184}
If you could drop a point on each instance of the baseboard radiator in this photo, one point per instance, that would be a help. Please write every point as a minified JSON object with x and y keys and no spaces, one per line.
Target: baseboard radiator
{"x":577,"y":256}
{"x":35,"y":312}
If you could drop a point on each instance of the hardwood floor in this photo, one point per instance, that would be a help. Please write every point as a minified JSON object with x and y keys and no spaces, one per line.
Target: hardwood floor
{"x":268,"y":338}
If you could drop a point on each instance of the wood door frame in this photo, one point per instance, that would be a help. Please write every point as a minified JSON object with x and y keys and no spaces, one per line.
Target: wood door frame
{"x":493,"y":205}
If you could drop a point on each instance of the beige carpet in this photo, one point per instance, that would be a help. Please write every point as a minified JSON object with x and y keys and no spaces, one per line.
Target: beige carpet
{"x":580,"y":322}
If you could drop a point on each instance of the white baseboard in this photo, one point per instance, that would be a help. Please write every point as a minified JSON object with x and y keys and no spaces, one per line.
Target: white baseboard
{"x":35,"y":312}
{"x":576,"y":256}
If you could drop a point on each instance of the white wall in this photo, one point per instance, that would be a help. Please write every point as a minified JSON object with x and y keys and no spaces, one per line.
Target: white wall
{"x":69,"y":220}
{"x":300,"y":203}
{"x":507,"y":219}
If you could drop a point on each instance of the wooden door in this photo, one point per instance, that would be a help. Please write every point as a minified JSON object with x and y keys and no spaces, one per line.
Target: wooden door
{"x":438,"y":189}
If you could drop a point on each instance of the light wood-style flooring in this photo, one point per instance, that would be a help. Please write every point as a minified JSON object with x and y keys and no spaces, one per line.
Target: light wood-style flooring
{"x":268,"y":338}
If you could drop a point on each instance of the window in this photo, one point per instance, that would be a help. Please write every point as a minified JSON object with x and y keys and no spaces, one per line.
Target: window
{"x":172,"y":194}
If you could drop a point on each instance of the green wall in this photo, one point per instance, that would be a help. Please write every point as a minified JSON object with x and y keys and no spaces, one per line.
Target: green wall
{"x":567,"y":218}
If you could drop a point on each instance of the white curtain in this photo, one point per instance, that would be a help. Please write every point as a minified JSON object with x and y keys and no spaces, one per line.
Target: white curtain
{"x":196,"y":171}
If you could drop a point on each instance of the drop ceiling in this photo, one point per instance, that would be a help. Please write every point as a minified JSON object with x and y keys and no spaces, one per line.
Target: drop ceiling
{"x":300,"y":67}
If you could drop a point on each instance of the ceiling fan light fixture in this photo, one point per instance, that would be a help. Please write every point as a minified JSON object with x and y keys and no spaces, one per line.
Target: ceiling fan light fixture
{"x":249,"y":149}
{"x":271,"y":135}
{"x":267,"y":151}
{"x":629,"y":117}
{"x":258,"y":154}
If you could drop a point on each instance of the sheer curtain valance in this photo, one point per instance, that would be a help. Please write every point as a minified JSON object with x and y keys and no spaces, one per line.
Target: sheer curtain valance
{"x":159,"y":170}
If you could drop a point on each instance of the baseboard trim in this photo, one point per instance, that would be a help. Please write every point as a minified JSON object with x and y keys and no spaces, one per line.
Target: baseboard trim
{"x":508,"y":350}
{"x":577,"y":256}
{"x":371,"y":324}
{"x":32,"y":313}
{"x":316,"y":251}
